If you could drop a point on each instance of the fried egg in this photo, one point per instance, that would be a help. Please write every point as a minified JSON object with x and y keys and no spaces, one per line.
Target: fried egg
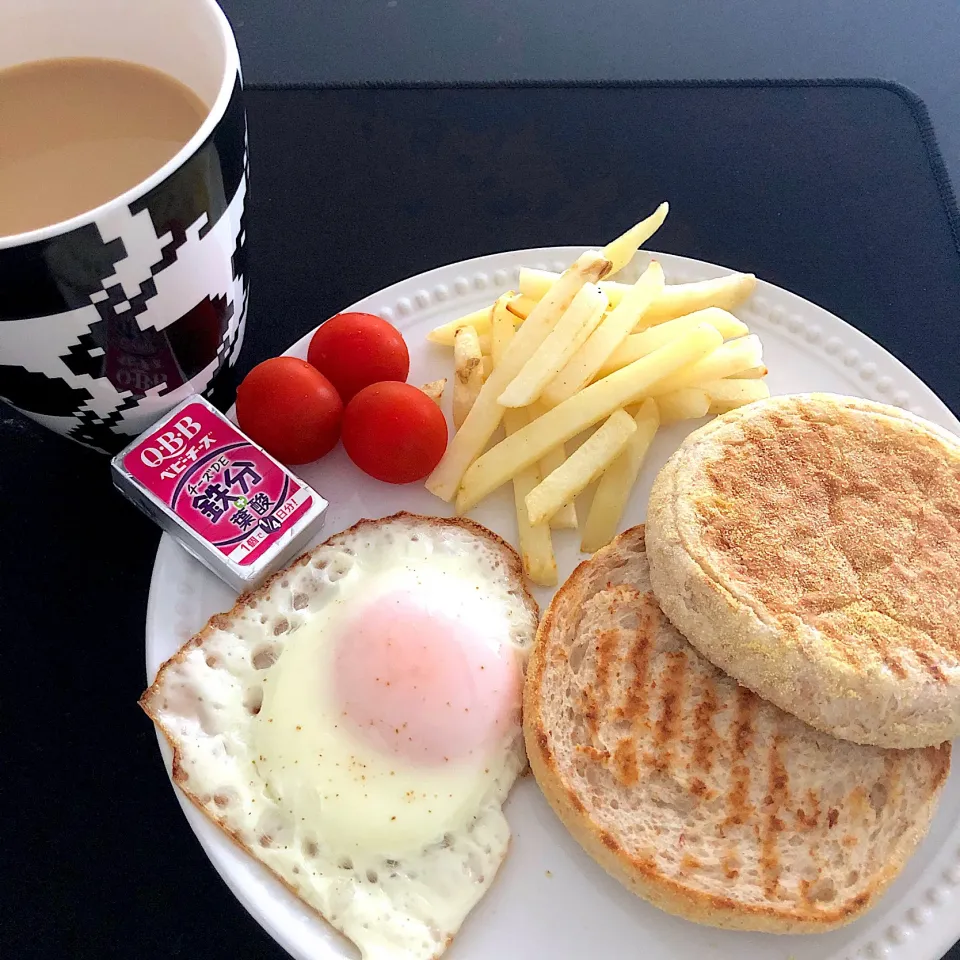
{"x":355,"y":725}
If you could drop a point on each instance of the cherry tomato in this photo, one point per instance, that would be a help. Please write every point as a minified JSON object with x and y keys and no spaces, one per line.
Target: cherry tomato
{"x":290,"y":409}
{"x":353,"y":350}
{"x":394,"y":432}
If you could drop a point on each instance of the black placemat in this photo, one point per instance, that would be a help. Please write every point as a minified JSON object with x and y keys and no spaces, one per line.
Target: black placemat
{"x":835,"y":192}
{"x":832,"y":190}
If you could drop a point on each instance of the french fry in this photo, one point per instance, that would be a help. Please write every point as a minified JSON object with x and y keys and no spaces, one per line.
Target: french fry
{"x":582,"y":410}
{"x":640,"y":344}
{"x":725,"y":361}
{"x":727,"y":395}
{"x":592,"y":323}
{"x":617,"y":481}
{"x":485,"y":415}
{"x":677,"y":299}
{"x":444,"y":334}
{"x":434,"y":389}
{"x":685,"y":403}
{"x":480,"y":320}
{"x":752,"y":373}
{"x":680,"y":299}
{"x":622,"y":250}
{"x":521,"y":306}
{"x":535,"y":283}
{"x":468,"y":373}
{"x":501,"y":333}
{"x":576,"y":324}
{"x":581,"y":468}
{"x":582,"y":367}
{"x":566,"y":517}
{"x":535,"y":541}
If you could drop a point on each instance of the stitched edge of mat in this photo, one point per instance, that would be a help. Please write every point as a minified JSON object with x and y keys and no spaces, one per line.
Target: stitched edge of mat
{"x":916,"y":106}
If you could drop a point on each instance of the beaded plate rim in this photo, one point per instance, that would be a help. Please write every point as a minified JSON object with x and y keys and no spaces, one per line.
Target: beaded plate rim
{"x":922,"y":928}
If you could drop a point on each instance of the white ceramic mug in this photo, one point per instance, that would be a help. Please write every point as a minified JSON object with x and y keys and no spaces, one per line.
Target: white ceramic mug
{"x":111,"y":318}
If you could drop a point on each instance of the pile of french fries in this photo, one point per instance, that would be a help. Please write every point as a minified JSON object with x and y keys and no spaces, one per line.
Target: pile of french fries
{"x":575,"y":352}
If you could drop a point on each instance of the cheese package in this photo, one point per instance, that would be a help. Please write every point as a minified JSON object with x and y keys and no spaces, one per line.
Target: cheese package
{"x":224,"y":499}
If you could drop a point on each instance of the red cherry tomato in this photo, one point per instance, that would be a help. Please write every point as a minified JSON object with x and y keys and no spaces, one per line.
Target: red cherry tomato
{"x":290,"y":409}
{"x":353,"y":350}
{"x":394,"y":432}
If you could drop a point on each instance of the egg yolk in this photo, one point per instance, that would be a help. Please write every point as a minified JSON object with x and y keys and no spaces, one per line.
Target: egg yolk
{"x":424,"y":683}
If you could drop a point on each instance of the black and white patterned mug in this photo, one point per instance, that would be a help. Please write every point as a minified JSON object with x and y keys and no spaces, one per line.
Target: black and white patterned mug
{"x":111,"y":318}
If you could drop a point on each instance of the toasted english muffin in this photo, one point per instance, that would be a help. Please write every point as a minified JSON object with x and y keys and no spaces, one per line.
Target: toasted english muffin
{"x":810,"y":547}
{"x":709,"y":802}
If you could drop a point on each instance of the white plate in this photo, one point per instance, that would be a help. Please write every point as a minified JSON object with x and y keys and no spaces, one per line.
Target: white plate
{"x":551,"y":899}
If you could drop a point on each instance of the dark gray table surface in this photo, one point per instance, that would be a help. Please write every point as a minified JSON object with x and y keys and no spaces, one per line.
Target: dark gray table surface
{"x":915,"y":42}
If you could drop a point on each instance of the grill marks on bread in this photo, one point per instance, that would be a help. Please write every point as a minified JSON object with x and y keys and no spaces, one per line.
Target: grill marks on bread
{"x":633,"y":710}
{"x":618,"y":691}
{"x":626,"y":702}
{"x":739,"y":808}
{"x":593,"y":698}
{"x":636,"y":702}
{"x":667,"y":727}
{"x":775,"y":802}
{"x":706,"y":742}
{"x":692,"y":790}
{"x":624,"y":697}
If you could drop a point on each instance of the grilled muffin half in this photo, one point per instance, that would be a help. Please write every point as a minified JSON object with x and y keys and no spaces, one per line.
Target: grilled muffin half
{"x":810,"y":547}
{"x":690,"y":790}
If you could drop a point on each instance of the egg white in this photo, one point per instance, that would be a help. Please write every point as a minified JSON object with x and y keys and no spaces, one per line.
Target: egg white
{"x":361,"y":801}
{"x":397,"y":888}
